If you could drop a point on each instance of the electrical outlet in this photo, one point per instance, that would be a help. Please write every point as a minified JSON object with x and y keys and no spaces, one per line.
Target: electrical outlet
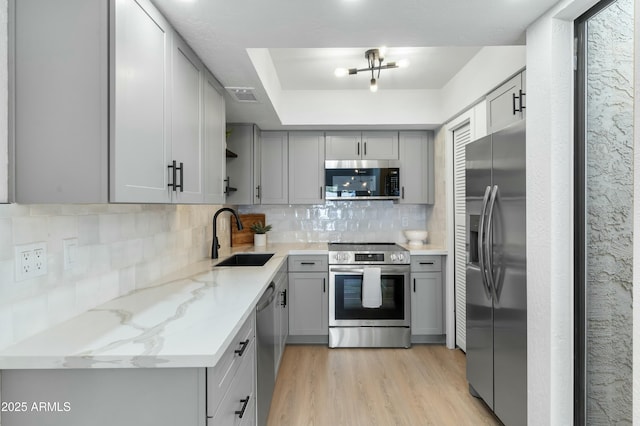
{"x":30,"y":261}
{"x":405,"y":221}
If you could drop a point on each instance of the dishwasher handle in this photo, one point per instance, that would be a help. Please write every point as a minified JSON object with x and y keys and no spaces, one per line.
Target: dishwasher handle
{"x":267,"y":297}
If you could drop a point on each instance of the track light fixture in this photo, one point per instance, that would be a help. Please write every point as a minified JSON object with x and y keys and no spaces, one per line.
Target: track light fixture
{"x":374,"y":58}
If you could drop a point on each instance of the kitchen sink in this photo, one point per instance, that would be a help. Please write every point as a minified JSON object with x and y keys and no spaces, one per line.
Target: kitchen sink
{"x":246,"y":259}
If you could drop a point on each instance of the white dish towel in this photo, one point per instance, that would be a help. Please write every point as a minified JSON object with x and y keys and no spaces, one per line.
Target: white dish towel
{"x":371,"y":288}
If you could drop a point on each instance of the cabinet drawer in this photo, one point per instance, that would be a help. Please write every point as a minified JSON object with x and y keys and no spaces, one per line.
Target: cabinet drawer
{"x":235,"y":403}
{"x":316,"y":263}
{"x":220,"y":377}
{"x":426,"y":263}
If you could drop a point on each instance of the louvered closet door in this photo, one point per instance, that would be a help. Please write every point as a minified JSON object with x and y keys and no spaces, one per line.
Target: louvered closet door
{"x":461,"y":137}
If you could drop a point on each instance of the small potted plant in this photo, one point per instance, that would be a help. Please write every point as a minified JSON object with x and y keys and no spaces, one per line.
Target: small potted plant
{"x":260,"y":236}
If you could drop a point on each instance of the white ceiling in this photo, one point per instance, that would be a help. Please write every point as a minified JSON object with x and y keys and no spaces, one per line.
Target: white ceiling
{"x":308,"y":39}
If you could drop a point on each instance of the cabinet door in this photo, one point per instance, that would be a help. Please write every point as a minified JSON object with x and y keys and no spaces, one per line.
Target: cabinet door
{"x":187,"y":145}
{"x":59,"y":111}
{"x":274,"y":171}
{"x":379,"y":145}
{"x":343,"y":146}
{"x":214,"y":143}
{"x":309,"y":304}
{"x":257,"y":166}
{"x":426,"y":303}
{"x":140,"y":127}
{"x":306,"y":167}
{"x":503,"y":105}
{"x":416,"y":168}
{"x":240,"y":169}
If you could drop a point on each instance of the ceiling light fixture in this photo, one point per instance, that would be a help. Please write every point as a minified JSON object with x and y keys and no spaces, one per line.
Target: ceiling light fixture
{"x":374,"y":58}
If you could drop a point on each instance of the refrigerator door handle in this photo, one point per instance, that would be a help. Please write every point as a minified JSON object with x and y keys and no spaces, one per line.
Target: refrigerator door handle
{"x":489,"y":244}
{"x":481,"y":244}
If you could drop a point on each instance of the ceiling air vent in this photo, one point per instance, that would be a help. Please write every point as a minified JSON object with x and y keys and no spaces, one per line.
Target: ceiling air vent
{"x":242,"y":94}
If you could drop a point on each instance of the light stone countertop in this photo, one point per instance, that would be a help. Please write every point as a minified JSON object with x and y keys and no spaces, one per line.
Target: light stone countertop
{"x":187,"y":319}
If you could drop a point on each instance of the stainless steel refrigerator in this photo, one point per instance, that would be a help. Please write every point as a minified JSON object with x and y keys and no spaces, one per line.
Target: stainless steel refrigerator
{"x":496,"y":272}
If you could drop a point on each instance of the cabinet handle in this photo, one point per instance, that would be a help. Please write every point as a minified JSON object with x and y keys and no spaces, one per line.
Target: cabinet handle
{"x":358,"y":148}
{"x":365,"y":149}
{"x":414,"y":285}
{"x":307,"y":263}
{"x":244,"y":406}
{"x":181,"y":186}
{"x":283,"y":302}
{"x":324,"y":285}
{"x":520,"y":98}
{"x":321,"y":194}
{"x":258,"y":191}
{"x":174,"y":175}
{"x":243,"y":345}
{"x":426,"y":263}
{"x":403,"y":192}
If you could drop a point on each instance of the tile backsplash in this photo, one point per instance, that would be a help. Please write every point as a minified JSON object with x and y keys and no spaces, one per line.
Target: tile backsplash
{"x":343,"y":221}
{"x":121,"y":247}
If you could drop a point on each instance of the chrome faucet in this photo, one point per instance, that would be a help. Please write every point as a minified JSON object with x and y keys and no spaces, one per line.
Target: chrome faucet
{"x":215,"y":246}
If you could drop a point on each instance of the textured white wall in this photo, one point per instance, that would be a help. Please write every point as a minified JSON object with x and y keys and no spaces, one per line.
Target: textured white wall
{"x":550,"y":214}
{"x":636,"y":228}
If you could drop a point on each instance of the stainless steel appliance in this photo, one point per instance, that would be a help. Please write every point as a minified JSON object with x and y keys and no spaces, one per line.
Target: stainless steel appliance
{"x":350,"y":323}
{"x":496,"y":272}
{"x":265,"y":351}
{"x":362,"y":179}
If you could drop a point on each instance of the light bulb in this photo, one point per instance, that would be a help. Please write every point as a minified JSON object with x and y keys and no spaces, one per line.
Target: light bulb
{"x":374,"y":85}
{"x":341,"y":72}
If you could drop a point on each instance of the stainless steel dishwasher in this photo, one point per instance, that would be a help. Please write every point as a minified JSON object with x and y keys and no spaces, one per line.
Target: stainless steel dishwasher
{"x":266,"y":330}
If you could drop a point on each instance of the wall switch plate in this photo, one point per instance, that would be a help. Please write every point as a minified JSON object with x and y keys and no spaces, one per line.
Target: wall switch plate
{"x":70,"y":246}
{"x":30,"y":260}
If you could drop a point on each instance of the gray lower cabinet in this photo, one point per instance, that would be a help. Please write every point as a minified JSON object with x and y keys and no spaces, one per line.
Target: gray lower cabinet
{"x":104,"y":397}
{"x":309,"y":299}
{"x":507,"y":104}
{"x":220,"y":395}
{"x":231,"y":386}
{"x":427,"y":302}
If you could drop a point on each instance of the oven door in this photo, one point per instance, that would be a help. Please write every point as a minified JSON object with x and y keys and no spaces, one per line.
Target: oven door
{"x":345,"y":297}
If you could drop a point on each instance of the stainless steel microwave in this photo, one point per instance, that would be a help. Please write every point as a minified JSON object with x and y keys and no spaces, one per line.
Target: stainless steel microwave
{"x":362,"y":179}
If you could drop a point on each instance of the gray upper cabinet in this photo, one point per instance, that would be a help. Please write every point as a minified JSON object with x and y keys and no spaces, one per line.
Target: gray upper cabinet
{"x":140,"y":143}
{"x":506,"y":104}
{"x":58,"y":101}
{"x":274,"y":170}
{"x":123,"y":99}
{"x":343,"y":145}
{"x":416,"y":167}
{"x":187,"y":143}
{"x":379,"y":145}
{"x":368,"y":145}
{"x":243,"y":171}
{"x":214,"y":142}
{"x":306,"y":167}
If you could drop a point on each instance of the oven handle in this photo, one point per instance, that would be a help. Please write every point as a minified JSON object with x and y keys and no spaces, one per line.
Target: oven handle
{"x":384,"y":269}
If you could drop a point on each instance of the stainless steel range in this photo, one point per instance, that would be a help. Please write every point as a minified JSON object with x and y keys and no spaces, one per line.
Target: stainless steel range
{"x":369,"y":295}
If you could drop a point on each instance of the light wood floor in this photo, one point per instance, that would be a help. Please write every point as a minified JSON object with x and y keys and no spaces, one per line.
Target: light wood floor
{"x":424,"y":385}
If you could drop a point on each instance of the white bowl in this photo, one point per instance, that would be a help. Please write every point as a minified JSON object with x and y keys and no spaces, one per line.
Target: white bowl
{"x":416,"y":237}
